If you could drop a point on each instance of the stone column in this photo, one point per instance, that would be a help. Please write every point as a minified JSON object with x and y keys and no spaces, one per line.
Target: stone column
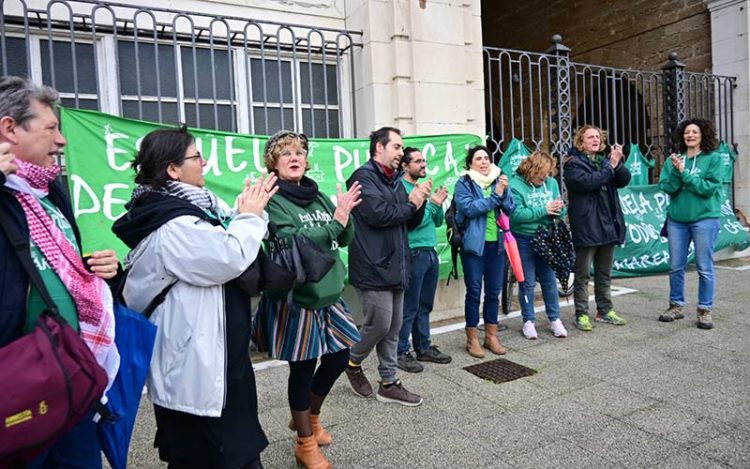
{"x":419,"y":69}
{"x":730,"y":48}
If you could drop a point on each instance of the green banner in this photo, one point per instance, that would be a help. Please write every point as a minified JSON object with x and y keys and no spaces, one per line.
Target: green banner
{"x":645,"y":251}
{"x":101,"y":147}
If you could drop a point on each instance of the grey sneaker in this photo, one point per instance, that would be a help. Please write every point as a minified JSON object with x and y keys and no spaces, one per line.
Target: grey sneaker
{"x":704,"y":319}
{"x":358,"y":380}
{"x":434,"y":355}
{"x":407,"y":363}
{"x":397,"y":393}
{"x":673,"y":312}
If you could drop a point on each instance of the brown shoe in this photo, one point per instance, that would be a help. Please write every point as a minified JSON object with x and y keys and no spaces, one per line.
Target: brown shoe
{"x":472,"y":343}
{"x":704,"y":319}
{"x":308,"y":454}
{"x":360,"y":385}
{"x":321,"y":435}
{"x":673,"y":312}
{"x":491,"y":342}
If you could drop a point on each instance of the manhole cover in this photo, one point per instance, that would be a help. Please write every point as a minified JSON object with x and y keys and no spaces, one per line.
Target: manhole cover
{"x":500,"y":370}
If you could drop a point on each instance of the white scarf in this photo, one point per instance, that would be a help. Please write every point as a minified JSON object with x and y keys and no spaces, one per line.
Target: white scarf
{"x":483,"y":181}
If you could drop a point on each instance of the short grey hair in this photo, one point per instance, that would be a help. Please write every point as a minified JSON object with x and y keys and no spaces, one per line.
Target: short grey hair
{"x":16,"y":94}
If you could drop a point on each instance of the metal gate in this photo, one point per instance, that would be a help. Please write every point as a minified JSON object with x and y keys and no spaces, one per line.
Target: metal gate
{"x":541,"y":98}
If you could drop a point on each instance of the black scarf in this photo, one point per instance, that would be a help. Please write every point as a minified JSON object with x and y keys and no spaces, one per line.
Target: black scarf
{"x":302,"y":194}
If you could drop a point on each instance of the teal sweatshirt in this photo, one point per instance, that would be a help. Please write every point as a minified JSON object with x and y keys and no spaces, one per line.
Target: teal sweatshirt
{"x":695,"y":194}
{"x":316,"y":222}
{"x":531,"y":201}
{"x":424,"y":235}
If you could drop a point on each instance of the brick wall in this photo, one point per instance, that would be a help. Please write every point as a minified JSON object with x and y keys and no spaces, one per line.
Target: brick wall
{"x":635,"y":34}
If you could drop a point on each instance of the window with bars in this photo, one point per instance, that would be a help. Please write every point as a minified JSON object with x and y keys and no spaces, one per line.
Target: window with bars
{"x":200,"y":86}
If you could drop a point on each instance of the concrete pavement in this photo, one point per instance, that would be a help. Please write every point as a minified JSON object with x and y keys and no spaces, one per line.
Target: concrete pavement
{"x":648,"y":394}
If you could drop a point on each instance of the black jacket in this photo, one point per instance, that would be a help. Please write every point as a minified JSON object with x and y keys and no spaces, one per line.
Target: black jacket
{"x":378,"y":256}
{"x":594,"y":210}
{"x":14,"y":283}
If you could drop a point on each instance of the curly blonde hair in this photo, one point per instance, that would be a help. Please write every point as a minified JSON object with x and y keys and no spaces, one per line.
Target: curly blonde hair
{"x":539,"y":163}
{"x":276,"y":144}
{"x":578,"y":138}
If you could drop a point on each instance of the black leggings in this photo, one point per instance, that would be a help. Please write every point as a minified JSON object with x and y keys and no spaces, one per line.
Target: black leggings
{"x":304,"y":378}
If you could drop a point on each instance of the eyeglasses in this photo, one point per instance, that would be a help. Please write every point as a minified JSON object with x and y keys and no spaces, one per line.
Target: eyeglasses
{"x":193,"y":157}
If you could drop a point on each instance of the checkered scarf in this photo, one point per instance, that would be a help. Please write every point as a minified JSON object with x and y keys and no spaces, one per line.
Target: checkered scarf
{"x":91,"y":294}
{"x":199,"y":196}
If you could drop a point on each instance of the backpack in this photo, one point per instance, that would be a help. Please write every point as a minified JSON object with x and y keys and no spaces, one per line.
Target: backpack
{"x":455,"y":234}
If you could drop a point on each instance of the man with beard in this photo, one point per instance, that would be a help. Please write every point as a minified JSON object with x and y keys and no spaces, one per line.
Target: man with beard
{"x":379,"y":262}
{"x":419,"y":299}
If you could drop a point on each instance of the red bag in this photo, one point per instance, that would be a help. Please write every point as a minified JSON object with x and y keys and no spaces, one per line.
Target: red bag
{"x":50,"y":381}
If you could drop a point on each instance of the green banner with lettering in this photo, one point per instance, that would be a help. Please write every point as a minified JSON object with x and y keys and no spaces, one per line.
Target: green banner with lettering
{"x":645,"y":251}
{"x":101,"y":147}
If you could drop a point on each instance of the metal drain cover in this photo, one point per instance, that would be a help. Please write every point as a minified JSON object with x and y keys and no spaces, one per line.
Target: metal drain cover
{"x":499,"y":371}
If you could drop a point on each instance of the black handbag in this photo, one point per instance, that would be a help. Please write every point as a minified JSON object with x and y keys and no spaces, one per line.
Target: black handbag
{"x":288,"y":262}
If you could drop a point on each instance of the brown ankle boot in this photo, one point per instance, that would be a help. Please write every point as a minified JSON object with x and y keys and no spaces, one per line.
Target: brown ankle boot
{"x":321,"y":435}
{"x":704,"y":319}
{"x":308,"y":454}
{"x":491,"y":342}
{"x":472,"y":343}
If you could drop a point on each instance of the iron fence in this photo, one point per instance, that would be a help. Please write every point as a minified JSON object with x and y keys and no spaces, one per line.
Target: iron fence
{"x":541,"y":98}
{"x":206,"y":70}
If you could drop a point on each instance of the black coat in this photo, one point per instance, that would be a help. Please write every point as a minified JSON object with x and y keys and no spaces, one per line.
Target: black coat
{"x":594,"y":210}
{"x":378,"y":255}
{"x":14,"y":283}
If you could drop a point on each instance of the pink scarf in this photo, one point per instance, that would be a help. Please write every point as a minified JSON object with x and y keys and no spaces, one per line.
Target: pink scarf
{"x":90,"y":293}
{"x":61,"y":255}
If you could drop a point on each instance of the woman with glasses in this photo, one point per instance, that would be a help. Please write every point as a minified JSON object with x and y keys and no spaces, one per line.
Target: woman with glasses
{"x":317,"y":323}
{"x":692,"y":179}
{"x":186,"y":241}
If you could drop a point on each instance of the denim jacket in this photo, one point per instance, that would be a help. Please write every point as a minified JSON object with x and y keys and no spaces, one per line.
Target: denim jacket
{"x":472,"y":208}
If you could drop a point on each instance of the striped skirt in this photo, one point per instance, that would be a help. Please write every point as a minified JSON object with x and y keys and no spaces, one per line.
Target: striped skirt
{"x":298,"y":333}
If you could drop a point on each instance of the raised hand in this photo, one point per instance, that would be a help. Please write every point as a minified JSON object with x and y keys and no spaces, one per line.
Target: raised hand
{"x":255,"y":197}
{"x":439,"y":196}
{"x":616,"y":155}
{"x":502,"y":184}
{"x":7,"y":159}
{"x":346,"y":202}
{"x":420,"y":193}
{"x":677,"y":162}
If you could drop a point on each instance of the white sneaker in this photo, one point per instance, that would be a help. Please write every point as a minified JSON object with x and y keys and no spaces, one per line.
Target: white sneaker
{"x":558,"y":329}
{"x":529,"y":330}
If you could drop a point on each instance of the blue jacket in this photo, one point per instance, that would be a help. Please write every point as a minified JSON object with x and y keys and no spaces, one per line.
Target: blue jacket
{"x":472,"y":208}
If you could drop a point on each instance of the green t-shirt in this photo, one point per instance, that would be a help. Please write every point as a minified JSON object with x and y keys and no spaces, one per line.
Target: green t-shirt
{"x":55,"y":287}
{"x":424,"y":235}
{"x":491,"y":233}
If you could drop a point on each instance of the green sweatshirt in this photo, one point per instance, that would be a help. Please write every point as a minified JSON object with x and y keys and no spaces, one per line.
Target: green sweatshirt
{"x":316,"y":222}
{"x":695,"y":194}
{"x":531,"y":204}
{"x":424,"y":235}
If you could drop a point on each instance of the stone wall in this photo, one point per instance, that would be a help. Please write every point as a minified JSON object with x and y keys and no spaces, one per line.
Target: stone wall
{"x":636,"y":34}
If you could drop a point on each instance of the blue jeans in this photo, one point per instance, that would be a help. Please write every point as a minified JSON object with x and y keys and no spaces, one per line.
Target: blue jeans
{"x":418,"y":301}
{"x":534,"y":267}
{"x":79,"y":448}
{"x":703,"y":234}
{"x":489,"y":268}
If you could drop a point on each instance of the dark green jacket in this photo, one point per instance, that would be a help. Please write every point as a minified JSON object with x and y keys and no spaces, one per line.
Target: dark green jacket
{"x":316,"y":222}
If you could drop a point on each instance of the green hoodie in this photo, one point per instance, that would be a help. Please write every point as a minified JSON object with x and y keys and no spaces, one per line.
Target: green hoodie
{"x":531,"y":201}
{"x":316,"y":222}
{"x":696,"y":193}
{"x":424,"y":235}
